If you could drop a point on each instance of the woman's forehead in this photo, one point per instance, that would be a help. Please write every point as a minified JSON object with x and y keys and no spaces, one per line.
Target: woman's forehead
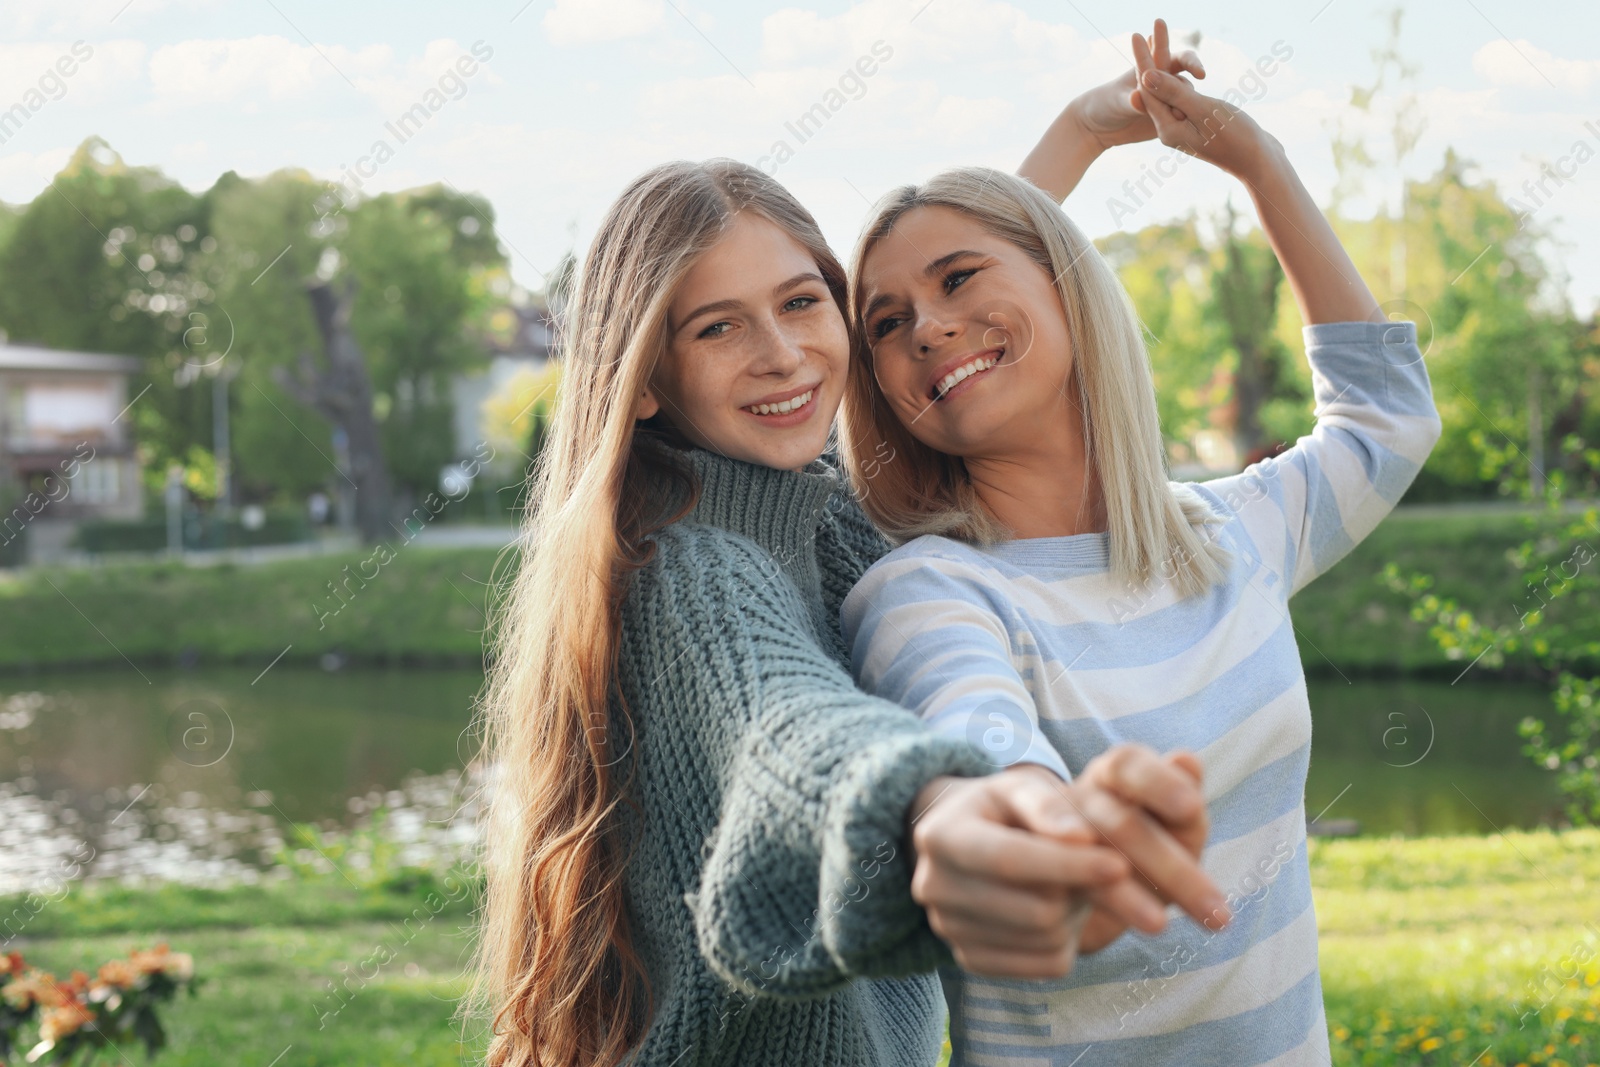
{"x":752,"y":254}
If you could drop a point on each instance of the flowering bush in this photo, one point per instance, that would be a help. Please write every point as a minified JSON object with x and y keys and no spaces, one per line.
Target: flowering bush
{"x":86,"y":1014}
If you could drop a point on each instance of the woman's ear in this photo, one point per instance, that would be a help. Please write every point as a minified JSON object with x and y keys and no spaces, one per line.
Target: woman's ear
{"x":647,"y":406}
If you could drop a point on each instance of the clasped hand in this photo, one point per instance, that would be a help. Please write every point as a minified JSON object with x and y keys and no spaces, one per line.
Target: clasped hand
{"x":1006,"y":864}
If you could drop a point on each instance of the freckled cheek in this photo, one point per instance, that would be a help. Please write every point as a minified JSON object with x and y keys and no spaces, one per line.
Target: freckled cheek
{"x":828,"y":340}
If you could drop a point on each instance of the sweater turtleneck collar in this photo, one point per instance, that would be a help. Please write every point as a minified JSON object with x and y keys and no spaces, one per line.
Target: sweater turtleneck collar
{"x":777,"y":509}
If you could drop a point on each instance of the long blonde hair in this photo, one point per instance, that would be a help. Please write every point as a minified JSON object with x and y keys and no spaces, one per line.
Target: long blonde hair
{"x":557,"y":972}
{"x":910,"y":489}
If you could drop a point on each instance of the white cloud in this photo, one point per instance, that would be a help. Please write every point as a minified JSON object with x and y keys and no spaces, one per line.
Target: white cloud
{"x":577,"y":22}
{"x":265,"y":69}
{"x":24,"y":174}
{"x":95,"y":68}
{"x":1525,"y":65}
{"x":222,"y":70}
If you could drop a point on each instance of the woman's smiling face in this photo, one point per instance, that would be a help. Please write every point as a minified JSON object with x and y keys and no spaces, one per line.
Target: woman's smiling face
{"x":756,"y":350}
{"x":969,"y":340}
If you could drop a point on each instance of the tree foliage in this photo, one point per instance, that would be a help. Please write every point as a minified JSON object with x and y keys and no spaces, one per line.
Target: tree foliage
{"x":115,"y":258}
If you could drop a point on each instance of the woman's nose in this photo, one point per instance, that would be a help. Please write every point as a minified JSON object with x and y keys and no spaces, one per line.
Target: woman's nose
{"x":777,"y":351}
{"x":932,"y":331}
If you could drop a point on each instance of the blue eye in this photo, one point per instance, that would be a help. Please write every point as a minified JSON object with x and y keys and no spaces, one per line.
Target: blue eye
{"x":716,"y":329}
{"x":801,"y":301}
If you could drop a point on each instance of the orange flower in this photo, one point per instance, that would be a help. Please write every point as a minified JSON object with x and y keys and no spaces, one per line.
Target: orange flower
{"x":119,"y":973}
{"x":11,"y":964}
{"x":163,"y":961}
{"x":64,"y":1021}
{"x":36,"y":987}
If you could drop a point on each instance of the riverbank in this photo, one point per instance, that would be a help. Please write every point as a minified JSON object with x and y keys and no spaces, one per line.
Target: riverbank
{"x":1434,"y":951}
{"x":421,"y":606}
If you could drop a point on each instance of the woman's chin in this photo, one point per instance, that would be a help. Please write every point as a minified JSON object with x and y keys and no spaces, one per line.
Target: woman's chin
{"x":784,"y":451}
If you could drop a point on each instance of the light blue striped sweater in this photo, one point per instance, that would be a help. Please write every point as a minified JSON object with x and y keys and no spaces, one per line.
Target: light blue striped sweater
{"x":1030,"y":651}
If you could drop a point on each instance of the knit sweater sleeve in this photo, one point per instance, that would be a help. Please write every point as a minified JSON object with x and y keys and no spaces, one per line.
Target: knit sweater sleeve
{"x":806,"y":877}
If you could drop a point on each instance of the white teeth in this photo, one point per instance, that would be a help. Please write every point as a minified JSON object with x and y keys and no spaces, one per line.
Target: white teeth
{"x":963,"y":372}
{"x":783,"y":407}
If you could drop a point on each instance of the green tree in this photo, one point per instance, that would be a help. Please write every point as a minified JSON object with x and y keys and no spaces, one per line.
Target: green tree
{"x":1165,"y":269}
{"x":103,"y":261}
{"x":413,"y":298}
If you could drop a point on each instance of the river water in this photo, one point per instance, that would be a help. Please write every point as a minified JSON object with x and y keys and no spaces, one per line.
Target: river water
{"x":198,"y":776}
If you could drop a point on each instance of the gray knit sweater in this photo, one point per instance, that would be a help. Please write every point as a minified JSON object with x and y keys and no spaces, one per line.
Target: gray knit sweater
{"x":769,"y":889}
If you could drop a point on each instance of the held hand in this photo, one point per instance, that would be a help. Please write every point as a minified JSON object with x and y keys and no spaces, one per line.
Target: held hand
{"x":1114,"y":113}
{"x":1150,"y":808}
{"x":1202,"y":126}
{"x":1001,"y":862}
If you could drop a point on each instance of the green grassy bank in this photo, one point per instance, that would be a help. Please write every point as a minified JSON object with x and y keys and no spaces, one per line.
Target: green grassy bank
{"x":1434,"y":951}
{"x":425,"y":606}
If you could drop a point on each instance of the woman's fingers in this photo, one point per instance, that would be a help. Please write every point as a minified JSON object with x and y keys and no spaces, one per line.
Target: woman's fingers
{"x":973,"y":910}
{"x":1131,"y":904}
{"x":1155,"y":104}
{"x":1187,"y":762}
{"x":1036,"y":799}
{"x":1189,"y":61}
{"x":1018,"y":827}
{"x":1101,"y":930}
{"x":1159,"y":859}
{"x":1167,"y":788}
{"x":1161,"y":52}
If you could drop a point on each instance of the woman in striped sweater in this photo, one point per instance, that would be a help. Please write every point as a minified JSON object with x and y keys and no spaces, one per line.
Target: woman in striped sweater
{"x":1055,"y":596}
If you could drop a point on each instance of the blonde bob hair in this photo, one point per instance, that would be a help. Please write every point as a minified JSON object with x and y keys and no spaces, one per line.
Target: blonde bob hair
{"x":557,"y":972}
{"x":1158,"y":531}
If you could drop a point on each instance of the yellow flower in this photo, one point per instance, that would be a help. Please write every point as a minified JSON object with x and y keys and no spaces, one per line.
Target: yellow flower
{"x":1430,"y":1044}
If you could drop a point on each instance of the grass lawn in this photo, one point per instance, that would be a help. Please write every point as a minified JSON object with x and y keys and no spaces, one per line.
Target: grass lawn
{"x":1439,"y":950}
{"x":426,"y":605}
{"x":268,"y":955}
{"x":1434,"y":951}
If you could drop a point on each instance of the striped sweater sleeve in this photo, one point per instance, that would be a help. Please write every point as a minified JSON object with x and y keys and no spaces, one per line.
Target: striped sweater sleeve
{"x":1376,"y":423}
{"x":926,"y":632}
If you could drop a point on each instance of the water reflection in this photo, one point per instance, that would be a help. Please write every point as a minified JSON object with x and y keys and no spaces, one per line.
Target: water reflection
{"x":200,"y":777}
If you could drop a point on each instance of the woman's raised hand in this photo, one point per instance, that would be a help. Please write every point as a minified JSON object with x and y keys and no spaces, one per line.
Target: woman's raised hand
{"x":1113,"y":113}
{"x":1200,"y":125}
{"x":1004,"y":861}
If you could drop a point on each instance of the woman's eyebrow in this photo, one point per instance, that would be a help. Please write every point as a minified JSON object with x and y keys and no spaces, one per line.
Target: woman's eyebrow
{"x":715,"y":307}
{"x":803,"y":276}
{"x":930,"y":271}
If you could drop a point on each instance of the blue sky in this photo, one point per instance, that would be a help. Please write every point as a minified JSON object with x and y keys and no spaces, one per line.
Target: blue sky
{"x":574,"y":98}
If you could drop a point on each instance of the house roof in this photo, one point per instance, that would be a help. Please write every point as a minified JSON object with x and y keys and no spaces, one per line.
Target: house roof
{"x":30,"y":357}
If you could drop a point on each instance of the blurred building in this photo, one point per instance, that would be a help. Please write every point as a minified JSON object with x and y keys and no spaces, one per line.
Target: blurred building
{"x":66,"y":444}
{"x":524,"y":343}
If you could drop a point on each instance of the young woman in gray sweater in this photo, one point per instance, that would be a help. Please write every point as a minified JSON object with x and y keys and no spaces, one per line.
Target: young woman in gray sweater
{"x":705,"y":844}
